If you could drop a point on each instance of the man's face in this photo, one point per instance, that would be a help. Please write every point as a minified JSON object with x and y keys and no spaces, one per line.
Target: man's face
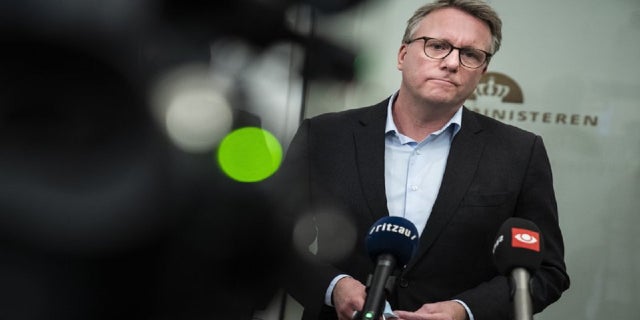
{"x":443,"y":81}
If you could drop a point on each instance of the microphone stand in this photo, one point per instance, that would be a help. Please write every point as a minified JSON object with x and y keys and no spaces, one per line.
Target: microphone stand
{"x":376,"y":296}
{"x":522,"y":294}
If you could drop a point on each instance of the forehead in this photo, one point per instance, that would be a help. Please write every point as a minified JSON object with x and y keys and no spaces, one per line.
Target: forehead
{"x":455,"y":26}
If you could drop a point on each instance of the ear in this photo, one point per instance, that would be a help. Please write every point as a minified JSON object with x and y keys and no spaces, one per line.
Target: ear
{"x":402,"y":52}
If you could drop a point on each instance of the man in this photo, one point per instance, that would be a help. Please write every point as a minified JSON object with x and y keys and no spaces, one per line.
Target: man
{"x":420,"y":154}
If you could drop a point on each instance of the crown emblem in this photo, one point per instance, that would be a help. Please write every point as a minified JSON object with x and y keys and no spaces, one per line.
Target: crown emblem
{"x":490,"y":91}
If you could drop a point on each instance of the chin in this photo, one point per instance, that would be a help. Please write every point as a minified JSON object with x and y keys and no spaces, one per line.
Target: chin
{"x":443,"y":100}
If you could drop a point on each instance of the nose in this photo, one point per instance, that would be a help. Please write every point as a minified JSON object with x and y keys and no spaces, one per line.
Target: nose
{"x":452,"y":60}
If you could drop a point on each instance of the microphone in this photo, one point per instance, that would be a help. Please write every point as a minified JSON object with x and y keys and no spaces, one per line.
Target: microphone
{"x":391,"y":242}
{"x":517,"y":253}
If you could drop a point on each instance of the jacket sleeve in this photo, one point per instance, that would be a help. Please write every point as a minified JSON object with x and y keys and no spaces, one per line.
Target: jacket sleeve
{"x":306,"y":278}
{"x":537,"y":203}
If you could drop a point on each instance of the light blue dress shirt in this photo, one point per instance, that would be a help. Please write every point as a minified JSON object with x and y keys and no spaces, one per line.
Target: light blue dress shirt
{"x":413,"y":172}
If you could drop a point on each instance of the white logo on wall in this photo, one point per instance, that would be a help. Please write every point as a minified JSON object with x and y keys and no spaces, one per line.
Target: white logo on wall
{"x":500,"y":97}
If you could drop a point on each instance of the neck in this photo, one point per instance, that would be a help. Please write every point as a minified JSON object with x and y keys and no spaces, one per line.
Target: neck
{"x":419,"y":120}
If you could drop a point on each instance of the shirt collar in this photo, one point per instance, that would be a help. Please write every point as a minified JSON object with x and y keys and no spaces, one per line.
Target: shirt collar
{"x":455,"y":122}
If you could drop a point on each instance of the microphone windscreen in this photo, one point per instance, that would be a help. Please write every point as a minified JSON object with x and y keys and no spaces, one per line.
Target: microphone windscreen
{"x":518,"y":244}
{"x":392,"y":235}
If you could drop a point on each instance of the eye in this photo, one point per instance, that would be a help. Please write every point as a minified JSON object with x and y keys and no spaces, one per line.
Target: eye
{"x":437,"y":45}
{"x":472,"y":54}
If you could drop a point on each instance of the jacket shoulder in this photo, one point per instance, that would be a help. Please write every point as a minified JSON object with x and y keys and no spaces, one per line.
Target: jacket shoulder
{"x":362,"y":114}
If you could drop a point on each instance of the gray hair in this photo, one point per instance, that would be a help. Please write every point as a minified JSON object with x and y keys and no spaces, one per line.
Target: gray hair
{"x":476,"y":8}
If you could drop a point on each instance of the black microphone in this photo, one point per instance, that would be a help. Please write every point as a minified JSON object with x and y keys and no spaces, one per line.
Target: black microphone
{"x":517,"y":253}
{"x":391,"y":243}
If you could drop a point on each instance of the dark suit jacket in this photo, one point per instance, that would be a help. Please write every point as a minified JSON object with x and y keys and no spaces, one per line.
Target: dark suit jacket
{"x":494,"y":171}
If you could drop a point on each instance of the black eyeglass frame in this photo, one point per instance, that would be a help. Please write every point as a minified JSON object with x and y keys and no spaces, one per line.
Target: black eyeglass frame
{"x":424,"y":49}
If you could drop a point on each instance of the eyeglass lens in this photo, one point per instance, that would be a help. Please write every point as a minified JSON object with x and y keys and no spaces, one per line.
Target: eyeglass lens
{"x":439,"y":49}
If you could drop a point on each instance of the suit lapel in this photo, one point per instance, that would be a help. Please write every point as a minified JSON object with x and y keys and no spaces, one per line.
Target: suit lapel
{"x":462,"y":162}
{"x":369,"y":144}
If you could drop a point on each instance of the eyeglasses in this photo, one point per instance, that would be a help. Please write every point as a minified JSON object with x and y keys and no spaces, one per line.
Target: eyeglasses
{"x":440,"y":49}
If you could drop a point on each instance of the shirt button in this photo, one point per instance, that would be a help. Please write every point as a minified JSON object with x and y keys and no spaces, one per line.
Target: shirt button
{"x":404,"y":283}
{"x":414,"y":188}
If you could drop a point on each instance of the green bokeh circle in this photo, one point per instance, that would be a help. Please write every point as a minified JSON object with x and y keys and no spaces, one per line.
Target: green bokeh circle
{"x":249,"y":154}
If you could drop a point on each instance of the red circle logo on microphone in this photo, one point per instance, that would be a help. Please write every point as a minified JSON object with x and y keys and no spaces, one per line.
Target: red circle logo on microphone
{"x":527,"y":239}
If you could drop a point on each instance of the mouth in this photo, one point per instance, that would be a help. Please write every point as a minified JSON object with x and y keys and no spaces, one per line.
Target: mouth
{"x":443,"y":82}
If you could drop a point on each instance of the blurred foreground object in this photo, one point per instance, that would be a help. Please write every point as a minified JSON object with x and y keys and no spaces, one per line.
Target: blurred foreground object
{"x":103,"y":217}
{"x":106,"y":213}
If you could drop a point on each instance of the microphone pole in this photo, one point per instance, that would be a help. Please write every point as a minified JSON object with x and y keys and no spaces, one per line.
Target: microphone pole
{"x":522,"y":294}
{"x":374,"y":304}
